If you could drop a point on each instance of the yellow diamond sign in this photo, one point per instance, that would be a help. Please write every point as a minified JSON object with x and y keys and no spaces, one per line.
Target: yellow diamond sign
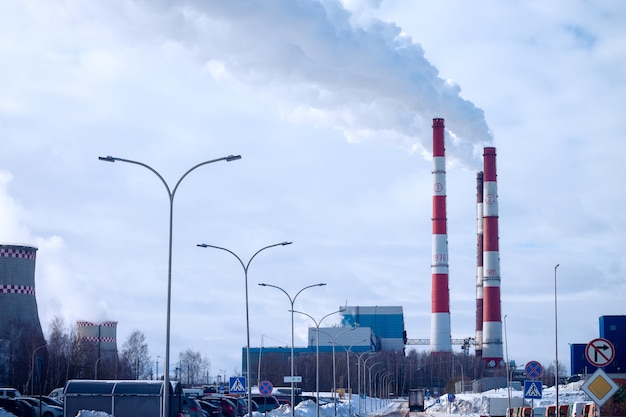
{"x":600,"y":387}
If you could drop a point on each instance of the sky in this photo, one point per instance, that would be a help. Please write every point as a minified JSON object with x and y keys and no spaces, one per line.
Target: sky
{"x":330,"y":105}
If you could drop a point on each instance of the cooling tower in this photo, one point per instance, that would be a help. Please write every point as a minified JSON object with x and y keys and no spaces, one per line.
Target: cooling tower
{"x":492,"y":351}
{"x":104,"y":334}
{"x":440,"y":336}
{"x":478,"y":342}
{"x":20,"y":329}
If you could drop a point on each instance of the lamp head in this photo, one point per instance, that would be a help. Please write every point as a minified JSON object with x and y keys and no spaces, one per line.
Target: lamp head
{"x":232,"y":158}
{"x":107,"y":158}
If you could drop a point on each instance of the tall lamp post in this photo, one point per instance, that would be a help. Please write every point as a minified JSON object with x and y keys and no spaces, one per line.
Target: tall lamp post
{"x":292,"y":301}
{"x":245,"y":267}
{"x":556,"y":346}
{"x":317,"y":355}
{"x":334,"y":340}
{"x":32,"y":369}
{"x":171,"y":194}
{"x":369,"y":368}
{"x":361,"y":388}
{"x":348,"y":351}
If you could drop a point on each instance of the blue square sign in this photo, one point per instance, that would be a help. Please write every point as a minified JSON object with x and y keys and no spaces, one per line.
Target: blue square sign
{"x":532,"y":390}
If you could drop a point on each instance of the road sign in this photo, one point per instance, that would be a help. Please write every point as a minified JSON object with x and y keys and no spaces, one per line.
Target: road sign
{"x":451,"y":398}
{"x":533,"y":390}
{"x":265,"y":388}
{"x":292,"y":379}
{"x":600,"y":352}
{"x":599,"y":387}
{"x":533,"y":370}
{"x":237,"y":385}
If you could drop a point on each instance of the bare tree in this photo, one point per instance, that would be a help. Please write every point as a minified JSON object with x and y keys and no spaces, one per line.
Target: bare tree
{"x":193,"y":367}
{"x":135,"y":360}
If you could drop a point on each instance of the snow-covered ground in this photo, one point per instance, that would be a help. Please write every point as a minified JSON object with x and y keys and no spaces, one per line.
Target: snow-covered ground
{"x":464,"y":405}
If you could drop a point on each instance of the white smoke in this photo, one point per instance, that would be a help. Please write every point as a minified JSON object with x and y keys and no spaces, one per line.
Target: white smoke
{"x":367,"y":79}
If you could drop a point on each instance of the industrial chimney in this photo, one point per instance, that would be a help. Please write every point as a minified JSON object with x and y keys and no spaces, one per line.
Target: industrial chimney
{"x":492,"y":322}
{"x":440,"y":336}
{"x":478,"y":342}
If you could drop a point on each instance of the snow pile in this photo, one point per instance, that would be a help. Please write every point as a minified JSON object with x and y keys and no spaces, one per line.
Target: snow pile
{"x":465,"y":405}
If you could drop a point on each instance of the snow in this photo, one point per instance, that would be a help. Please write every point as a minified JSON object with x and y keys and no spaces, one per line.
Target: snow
{"x":464,"y":405}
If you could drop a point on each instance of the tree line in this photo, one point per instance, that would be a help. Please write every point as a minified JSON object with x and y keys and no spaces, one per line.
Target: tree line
{"x":66,"y":356}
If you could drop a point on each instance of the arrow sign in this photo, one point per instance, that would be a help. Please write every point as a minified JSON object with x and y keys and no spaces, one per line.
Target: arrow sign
{"x":600,"y":352}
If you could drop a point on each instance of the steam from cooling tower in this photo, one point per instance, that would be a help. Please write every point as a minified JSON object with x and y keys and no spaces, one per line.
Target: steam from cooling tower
{"x":369,"y":80}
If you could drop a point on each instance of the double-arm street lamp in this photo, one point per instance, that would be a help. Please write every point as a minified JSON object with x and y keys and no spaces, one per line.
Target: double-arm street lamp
{"x":317,"y":354}
{"x":171,"y":194}
{"x":245,"y":267}
{"x":292,"y":300}
{"x":334,"y":341}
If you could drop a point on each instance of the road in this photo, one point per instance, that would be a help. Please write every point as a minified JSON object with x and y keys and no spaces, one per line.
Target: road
{"x":396,"y":408}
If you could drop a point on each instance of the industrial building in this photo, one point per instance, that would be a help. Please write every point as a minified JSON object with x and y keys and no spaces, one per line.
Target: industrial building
{"x":362,"y":329}
{"x":611,"y":328}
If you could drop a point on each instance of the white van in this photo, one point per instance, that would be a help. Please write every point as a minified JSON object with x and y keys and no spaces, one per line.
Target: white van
{"x":9,"y":393}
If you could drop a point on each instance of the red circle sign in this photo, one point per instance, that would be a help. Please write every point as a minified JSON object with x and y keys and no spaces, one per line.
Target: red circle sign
{"x":266,"y":388}
{"x":600,"y":352}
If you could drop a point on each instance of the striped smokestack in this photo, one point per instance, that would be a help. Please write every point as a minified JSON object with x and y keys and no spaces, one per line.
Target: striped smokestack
{"x":440,"y":337}
{"x":479,"y":265}
{"x":492,"y":323}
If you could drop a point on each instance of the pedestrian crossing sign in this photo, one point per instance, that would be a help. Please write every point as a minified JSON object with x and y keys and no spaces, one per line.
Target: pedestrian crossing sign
{"x":532,"y":390}
{"x":238,"y":385}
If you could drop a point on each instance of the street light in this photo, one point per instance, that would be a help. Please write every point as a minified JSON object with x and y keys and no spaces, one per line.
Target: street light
{"x":556,"y":346}
{"x":348,"y":369}
{"x":369,"y":368}
{"x":32,"y":369}
{"x":358,"y":362}
{"x":245,"y":267}
{"x":334,"y":339}
{"x":292,"y":301}
{"x":171,"y":194}
{"x":317,"y":355}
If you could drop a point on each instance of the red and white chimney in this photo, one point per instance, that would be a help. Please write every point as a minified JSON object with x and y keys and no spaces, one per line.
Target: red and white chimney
{"x":440,"y":335}
{"x":478,"y":342}
{"x":492,"y":346}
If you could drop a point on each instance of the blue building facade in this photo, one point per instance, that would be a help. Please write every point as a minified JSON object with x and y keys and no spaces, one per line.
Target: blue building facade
{"x":611,"y":328}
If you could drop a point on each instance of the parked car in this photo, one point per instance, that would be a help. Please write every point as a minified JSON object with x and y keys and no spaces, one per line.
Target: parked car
{"x":51,"y":401}
{"x":16,"y":407}
{"x":191,"y":407}
{"x":241,"y":403}
{"x":266,"y":403}
{"x":46,"y":409}
{"x":57,"y":394}
{"x":229,"y":409}
{"x":9,"y":393}
{"x":211,"y":410}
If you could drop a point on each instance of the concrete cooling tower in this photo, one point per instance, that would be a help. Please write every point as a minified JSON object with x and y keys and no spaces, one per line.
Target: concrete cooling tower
{"x":103,"y":334}
{"x":20,"y":329}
